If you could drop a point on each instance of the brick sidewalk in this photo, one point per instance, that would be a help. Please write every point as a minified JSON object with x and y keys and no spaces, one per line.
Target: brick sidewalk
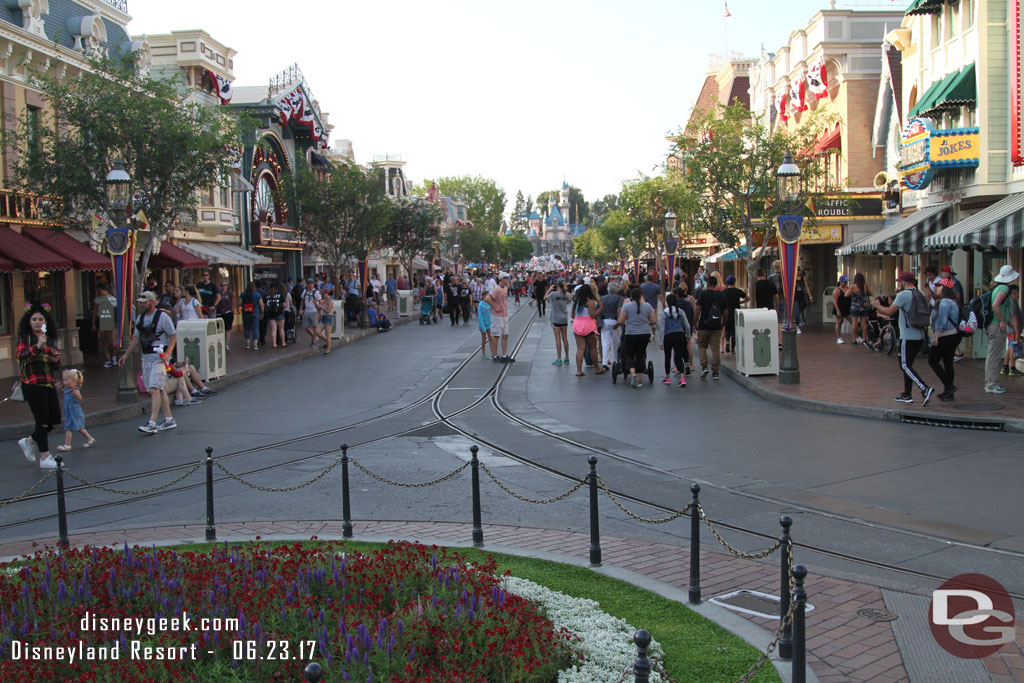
{"x":849,"y":374}
{"x":842,"y":646}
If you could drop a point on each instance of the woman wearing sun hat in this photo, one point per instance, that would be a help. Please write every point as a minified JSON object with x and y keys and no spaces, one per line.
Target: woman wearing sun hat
{"x":996,"y":330}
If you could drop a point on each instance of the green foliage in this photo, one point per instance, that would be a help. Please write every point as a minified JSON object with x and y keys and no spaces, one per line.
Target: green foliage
{"x":518,"y":220}
{"x":342,"y":216}
{"x":413,"y":226}
{"x":171,"y":148}
{"x":602,"y":207}
{"x":729,"y":162}
{"x":471,"y":240}
{"x":485,"y":200}
{"x":514,"y":248}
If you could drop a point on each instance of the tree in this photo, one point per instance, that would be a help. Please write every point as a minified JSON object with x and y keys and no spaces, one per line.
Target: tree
{"x":171,"y":149}
{"x":414,"y":225}
{"x":343,"y":216}
{"x":515,"y":248}
{"x":729,"y":162}
{"x":520,"y":214}
{"x":643,"y":204}
{"x":596,"y":245}
{"x":602,"y":207}
{"x":485,"y":200}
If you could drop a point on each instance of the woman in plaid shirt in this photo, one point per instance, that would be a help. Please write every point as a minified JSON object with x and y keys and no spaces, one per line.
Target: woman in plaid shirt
{"x":40,"y":363}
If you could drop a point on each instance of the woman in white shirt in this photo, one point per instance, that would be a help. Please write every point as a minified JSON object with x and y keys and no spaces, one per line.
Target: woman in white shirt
{"x":189,"y":307}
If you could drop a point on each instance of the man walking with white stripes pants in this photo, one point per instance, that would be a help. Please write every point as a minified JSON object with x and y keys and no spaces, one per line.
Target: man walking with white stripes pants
{"x":911,"y":339}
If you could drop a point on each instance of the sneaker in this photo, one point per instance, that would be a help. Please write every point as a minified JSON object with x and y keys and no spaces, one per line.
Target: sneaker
{"x":703,"y":373}
{"x":557,"y":362}
{"x":946,"y":397}
{"x":27,"y":449}
{"x":904,"y":398}
{"x":149,"y":428}
{"x":108,"y":363}
{"x":957,"y":357}
{"x":997,"y":389}
{"x":927,"y":395}
{"x":63,"y":449}
{"x":675,"y":373}
{"x":510,"y":359}
{"x":48,"y":463}
{"x":1014,"y":372}
{"x":840,"y":341}
{"x":496,"y":359}
{"x":1005,"y":370}
{"x":186,"y":402}
{"x":483,"y":356}
{"x":728,"y":349}
{"x":799,"y":331}
{"x":858,"y":340}
{"x":666,"y":381}
{"x":714,"y":375}
{"x":565,"y":362}
{"x":91,"y":443}
{"x":688,"y":369}
{"x":682,"y":381}
{"x":207,"y":391}
{"x":169,"y":423}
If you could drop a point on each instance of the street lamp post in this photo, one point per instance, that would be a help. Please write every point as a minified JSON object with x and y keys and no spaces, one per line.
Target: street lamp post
{"x":483,"y":252}
{"x":455,"y":256}
{"x":670,"y":247}
{"x":121,"y":247}
{"x":433,"y":256}
{"x":622,"y":256}
{"x":790,"y":230}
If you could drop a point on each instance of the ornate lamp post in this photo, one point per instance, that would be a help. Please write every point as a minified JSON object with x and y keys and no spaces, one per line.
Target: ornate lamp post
{"x":121,"y":247}
{"x":790,"y":230}
{"x":483,"y":253}
{"x":670,"y":247}
{"x":455,"y":256}
{"x":622,"y":256}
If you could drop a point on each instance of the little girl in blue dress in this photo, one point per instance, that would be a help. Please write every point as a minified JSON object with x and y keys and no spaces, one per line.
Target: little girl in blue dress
{"x":74,"y":417}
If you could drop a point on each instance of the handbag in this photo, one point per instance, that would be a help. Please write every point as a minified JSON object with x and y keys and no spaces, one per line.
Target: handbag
{"x":16,"y":394}
{"x":140,"y":383}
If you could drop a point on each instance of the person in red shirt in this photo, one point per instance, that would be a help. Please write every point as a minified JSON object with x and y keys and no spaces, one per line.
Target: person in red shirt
{"x":40,"y":361}
{"x":498,"y":300}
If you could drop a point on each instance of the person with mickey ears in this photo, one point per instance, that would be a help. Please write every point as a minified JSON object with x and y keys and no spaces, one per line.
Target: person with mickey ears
{"x":911,"y":338}
{"x":155,"y":334}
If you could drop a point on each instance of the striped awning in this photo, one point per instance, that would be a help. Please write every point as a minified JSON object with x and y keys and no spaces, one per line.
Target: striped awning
{"x":1000,"y":226}
{"x":904,"y":237}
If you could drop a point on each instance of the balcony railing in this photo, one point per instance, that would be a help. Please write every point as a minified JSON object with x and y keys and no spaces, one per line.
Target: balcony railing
{"x":118,"y":4}
{"x":20,"y":207}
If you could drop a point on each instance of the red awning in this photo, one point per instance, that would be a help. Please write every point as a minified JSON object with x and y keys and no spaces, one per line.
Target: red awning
{"x":171,"y":256}
{"x":830,"y":140}
{"x":27,"y":254}
{"x":83,"y":257}
{"x":6,"y":265}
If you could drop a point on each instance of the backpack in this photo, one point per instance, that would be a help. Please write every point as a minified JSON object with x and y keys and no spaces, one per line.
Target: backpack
{"x":248,"y":305}
{"x":148,"y":333}
{"x":713,"y":319}
{"x":981,"y":307}
{"x":274,"y":307}
{"x":919,"y":315}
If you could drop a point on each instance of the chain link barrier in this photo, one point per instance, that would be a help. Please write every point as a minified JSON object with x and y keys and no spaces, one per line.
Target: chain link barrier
{"x":766,"y":655}
{"x":738,"y":553}
{"x":408,"y":486}
{"x":138,"y":492}
{"x":271,"y":489}
{"x":673,"y":516}
{"x":544,"y":501}
{"x":21,"y":496}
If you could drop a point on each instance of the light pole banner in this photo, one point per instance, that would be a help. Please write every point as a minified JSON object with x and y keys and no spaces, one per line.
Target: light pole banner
{"x":121,"y":247}
{"x":790,"y":230}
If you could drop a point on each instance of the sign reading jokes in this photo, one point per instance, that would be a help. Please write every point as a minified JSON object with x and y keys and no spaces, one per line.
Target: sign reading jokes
{"x":925,"y":149}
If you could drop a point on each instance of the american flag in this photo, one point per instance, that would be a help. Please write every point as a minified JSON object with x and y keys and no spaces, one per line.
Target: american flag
{"x":727,"y":14}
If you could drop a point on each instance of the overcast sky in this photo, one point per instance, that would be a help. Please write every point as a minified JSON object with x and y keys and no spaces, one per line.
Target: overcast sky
{"x":525,"y":92}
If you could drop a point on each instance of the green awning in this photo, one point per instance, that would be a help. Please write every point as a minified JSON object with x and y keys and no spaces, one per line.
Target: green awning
{"x":962,"y":91}
{"x":927,"y":101}
{"x":925,"y":7}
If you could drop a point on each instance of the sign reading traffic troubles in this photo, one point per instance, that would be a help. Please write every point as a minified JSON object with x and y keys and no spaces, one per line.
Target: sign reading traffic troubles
{"x":925,"y":149}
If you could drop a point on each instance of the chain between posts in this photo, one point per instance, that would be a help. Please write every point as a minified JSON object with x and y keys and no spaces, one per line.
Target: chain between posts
{"x":673,"y":516}
{"x":26,"y":492}
{"x":270,"y":489}
{"x":408,"y":486}
{"x":545,"y":501}
{"x":739,"y":553}
{"x":787,"y":621}
{"x":139,"y":492}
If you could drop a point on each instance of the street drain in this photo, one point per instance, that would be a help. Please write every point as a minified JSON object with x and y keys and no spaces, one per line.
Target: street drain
{"x":755,"y":603}
{"x":980,"y":406}
{"x":877,"y":614}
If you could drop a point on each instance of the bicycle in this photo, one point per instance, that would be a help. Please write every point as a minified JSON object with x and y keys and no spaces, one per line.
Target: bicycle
{"x":883,"y":332}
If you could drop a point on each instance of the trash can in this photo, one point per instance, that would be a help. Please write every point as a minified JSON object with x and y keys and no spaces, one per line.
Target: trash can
{"x":828,"y":310}
{"x":338,"y":331}
{"x":406,"y":303}
{"x":202,"y":343}
{"x":757,"y":341}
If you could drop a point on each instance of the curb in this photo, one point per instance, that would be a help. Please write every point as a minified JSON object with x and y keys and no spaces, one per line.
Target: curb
{"x":125,"y":412}
{"x":1007,"y":424}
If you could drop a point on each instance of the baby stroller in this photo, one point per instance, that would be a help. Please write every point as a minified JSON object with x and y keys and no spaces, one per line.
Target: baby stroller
{"x":426,"y":309}
{"x":619,"y":364}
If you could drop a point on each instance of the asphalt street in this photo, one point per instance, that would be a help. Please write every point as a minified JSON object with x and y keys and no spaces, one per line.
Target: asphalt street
{"x":911,"y":504}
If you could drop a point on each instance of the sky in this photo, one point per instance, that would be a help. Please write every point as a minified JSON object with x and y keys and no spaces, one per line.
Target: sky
{"x":528,"y":92}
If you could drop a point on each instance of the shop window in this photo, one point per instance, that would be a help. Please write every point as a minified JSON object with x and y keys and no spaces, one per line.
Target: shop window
{"x":967,"y":12}
{"x":45,"y":287}
{"x":936,"y":29}
{"x":33,"y":127}
{"x":224,"y":197}
{"x":951,"y":21}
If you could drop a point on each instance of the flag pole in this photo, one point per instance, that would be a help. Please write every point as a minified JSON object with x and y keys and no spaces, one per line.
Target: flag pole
{"x":725,"y":31}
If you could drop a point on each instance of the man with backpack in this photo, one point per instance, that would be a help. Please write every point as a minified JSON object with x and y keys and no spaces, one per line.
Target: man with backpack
{"x":914,"y":319}
{"x":996,"y":318}
{"x":710,"y":315}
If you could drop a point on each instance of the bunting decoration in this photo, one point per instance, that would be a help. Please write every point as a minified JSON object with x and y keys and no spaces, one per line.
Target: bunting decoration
{"x":780,"y":104}
{"x":121,"y":247}
{"x":294,"y":107}
{"x":817,"y":79}
{"x":223,"y":86}
{"x":797,"y":95}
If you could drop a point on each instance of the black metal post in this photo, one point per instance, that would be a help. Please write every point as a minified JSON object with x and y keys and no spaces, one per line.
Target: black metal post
{"x":695,"y":545}
{"x":799,"y":634}
{"x":211,"y":530}
{"x":62,"y":511}
{"x":595,"y":529}
{"x":786,"y":641}
{"x":346,"y":504}
{"x":474,"y":466}
{"x":642,"y":665}
{"x":313,"y":673}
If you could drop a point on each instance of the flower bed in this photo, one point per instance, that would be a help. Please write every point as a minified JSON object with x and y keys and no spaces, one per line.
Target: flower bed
{"x":255,"y":612}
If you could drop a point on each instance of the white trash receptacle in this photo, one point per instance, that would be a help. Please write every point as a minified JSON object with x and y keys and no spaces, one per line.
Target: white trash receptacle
{"x":202,"y":342}
{"x":338,"y":331}
{"x":757,"y":341}
{"x":406,"y":303}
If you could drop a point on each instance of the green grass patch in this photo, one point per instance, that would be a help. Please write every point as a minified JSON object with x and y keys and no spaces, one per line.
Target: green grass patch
{"x":695,"y":648}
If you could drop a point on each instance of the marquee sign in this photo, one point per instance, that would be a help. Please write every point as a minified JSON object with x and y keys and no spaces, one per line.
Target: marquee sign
{"x":925,"y":149}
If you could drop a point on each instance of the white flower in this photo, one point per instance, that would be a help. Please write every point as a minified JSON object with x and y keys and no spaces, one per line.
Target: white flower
{"x":606,"y":641}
